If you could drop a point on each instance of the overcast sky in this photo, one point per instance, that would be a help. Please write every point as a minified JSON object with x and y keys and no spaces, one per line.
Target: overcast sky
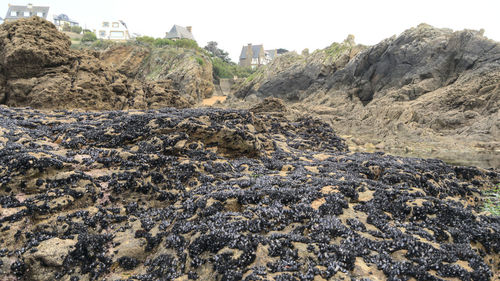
{"x":293,"y":25}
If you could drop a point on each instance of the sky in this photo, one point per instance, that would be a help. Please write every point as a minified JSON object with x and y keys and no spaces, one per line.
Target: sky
{"x":292,"y":25}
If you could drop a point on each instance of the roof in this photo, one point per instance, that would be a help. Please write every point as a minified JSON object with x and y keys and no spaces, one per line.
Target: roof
{"x":271,"y":53}
{"x":180,"y":32}
{"x":255,"y":51}
{"x":64,"y":17}
{"x":22,"y":9}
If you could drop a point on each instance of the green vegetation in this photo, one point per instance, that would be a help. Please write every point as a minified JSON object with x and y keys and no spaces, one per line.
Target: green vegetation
{"x":214,"y":50}
{"x":161,"y":42}
{"x":335,"y":49}
{"x":223,"y":69}
{"x":76,"y":29}
{"x":89,"y":37}
{"x":492,"y":201}
{"x":200,"y":61}
{"x":66,"y":27}
{"x":102,"y":44}
{"x":222,"y":66}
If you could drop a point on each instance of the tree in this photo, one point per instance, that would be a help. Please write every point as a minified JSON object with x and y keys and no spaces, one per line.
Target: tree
{"x":212,"y":48}
{"x":281,"y":51}
{"x":76,"y":29}
{"x":89,"y":37}
{"x":66,"y":27}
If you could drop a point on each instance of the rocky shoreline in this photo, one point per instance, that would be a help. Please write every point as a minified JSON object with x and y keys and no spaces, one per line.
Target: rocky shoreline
{"x":212,"y":194}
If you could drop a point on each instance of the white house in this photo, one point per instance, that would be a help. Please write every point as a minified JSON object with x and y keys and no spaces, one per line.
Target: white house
{"x":61,"y":20}
{"x":18,"y":12}
{"x":113,"y":30}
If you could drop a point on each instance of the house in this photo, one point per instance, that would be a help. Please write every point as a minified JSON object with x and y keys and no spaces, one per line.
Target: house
{"x":113,"y":30}
{"x":180,"y":32}
{"x":61,"y":20}
{"x":252,"y":56}
{"x":19,"y":12}
{"x":270,"y":55}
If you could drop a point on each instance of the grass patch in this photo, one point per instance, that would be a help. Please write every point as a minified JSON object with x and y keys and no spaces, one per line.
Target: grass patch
{"x":492,"y":201}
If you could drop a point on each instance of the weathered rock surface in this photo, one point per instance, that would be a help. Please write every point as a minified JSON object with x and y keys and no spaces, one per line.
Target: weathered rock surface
{"x":207,"y":194}
{"x":290,"y":76}
{"x":425,"y":85}
{"x":269,"y":105}
{"x":189,"y":71}
{"x":38,"y":69}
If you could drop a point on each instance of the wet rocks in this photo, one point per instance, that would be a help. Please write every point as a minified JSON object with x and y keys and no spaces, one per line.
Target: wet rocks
{"x":210,"y":194}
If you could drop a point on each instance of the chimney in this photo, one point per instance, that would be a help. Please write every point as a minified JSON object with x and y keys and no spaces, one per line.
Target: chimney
{"x":189,"y":28}
{"x":30,"y":6}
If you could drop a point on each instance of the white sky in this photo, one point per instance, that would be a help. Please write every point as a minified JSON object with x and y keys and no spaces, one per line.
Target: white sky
{"x":293,"y":25}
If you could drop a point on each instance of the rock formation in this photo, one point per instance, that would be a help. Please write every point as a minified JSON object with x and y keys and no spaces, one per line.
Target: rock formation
{"x":189,"y":70}
{"x":417,"y":87}
{"x":210,"y":194}
{"x":38,"y":69}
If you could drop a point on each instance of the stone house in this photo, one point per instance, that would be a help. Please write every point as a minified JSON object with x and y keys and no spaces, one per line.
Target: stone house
{"x":254,"y":56}
{"x":61,"y":20}
{"x":180,"y":32}
{"x":19,"y":12}
{"x":113,"y":30}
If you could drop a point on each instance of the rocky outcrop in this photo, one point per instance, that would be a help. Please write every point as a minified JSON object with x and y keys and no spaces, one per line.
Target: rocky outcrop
{"x":269,"y":105}
{"x":210,"y":194}
{"x":189,"y":71}
{"x":425,"y":85}
{"x":38,"y":69}
{"x":291,"y":76}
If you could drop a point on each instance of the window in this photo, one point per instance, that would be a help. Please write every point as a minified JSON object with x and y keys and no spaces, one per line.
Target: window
{"x":39,"y":14}
{"x":116,"y":35}
{"x":115,"y":24}
{"x":26,"y":14}
{"x":105,"y":24}
{"x":13,"y":14}
{"x":102,"y":33}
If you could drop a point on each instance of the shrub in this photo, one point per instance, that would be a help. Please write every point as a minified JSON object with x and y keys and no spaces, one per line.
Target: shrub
{"x":102,"y":44}
{"x":145,"y":39}
{"x":223,"y":69}
{"x":492,"y":201}
{"x":160,"y":42}
{"x":186,"y":43}
{"x":89,"y":37}
{"x":200,"y":61}
{"x":76,"y":29}
{"x":66,"y":27}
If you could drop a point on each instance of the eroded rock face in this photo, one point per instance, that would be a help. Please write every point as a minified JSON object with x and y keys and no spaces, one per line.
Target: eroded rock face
{"x":293,"y":77}
{"x":202,"y":194}
{"x":418,"y":87}
{"x":187,"y":70}
{"x":38,"y":69}
{"x":269,"y":105}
